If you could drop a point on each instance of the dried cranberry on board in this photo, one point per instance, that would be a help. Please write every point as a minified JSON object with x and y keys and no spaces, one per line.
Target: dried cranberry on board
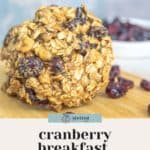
{"x":114,"y":72}
{"x":30,"y":66}
{"x":115,"y":90}
{"x":118,"y":86}
{"x":128,"y":84}
{"x":145,"y":84}
{"x":148,"y":109}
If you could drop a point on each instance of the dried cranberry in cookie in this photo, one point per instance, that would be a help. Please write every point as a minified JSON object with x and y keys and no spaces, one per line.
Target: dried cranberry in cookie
{"x":145,"y":84}
{"x":30,"y":66}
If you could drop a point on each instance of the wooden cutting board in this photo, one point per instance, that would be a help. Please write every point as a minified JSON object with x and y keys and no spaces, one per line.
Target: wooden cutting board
{"x":133,"y":105}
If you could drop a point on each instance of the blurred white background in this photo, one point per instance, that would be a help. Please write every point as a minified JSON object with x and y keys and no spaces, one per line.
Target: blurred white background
{"x":128,"y":8}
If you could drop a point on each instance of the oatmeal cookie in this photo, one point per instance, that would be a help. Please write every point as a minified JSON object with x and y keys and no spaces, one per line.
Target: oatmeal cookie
{"x":60,"y":58}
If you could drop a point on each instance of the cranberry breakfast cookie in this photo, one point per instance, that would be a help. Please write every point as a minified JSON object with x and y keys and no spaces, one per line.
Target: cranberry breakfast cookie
{"x":60,"y":58}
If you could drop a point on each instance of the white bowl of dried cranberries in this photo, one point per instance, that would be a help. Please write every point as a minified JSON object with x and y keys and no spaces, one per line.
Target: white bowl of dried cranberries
{"x":131,"y":37}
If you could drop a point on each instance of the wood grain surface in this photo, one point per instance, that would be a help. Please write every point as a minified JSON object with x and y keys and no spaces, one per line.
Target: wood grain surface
{"x":133,"y":105}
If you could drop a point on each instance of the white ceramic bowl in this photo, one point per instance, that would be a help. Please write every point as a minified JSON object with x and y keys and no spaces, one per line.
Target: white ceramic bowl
{"x":132,"y":49}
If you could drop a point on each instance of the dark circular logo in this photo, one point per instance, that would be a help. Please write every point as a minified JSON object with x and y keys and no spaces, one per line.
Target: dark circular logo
{"x":65,"y":118}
